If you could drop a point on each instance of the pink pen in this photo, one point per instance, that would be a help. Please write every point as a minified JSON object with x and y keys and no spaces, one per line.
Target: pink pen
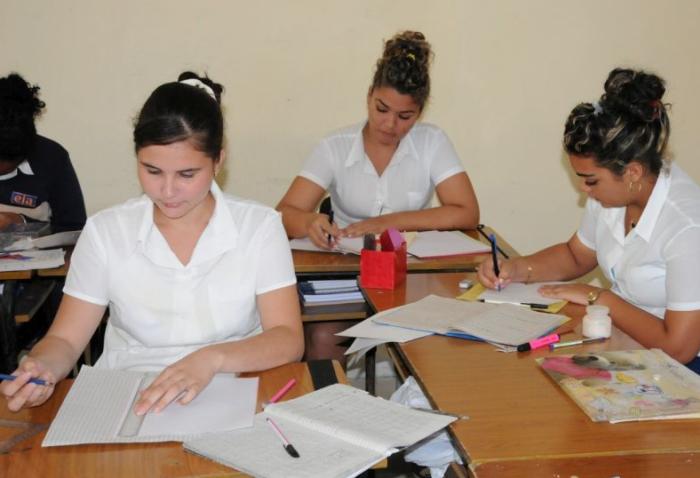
{"x":280,"y":393}
{"x":537,"y":343}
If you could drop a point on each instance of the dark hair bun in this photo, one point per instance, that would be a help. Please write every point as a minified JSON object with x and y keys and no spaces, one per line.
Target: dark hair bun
{"x":405,"y":66}
{"x":407,"y":58}
{"x":215,"y":87}
{"x":634,"y":93}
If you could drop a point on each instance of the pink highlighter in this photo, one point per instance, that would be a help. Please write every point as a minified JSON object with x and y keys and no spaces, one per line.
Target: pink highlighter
{"x":537,"y":343}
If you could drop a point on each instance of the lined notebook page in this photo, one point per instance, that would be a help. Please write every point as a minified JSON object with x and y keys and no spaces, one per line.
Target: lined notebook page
{"x":258,"y":452}
{"x":357,"y":417}
{"x":509,"y":324}
{"x":94,"y":408}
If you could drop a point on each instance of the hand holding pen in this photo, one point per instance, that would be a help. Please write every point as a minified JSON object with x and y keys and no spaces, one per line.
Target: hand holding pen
{"x":322,"y":232}
{"x":30,"y":385}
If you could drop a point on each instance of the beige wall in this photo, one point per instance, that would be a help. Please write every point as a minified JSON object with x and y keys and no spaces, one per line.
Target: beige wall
{"x":505,"y":76}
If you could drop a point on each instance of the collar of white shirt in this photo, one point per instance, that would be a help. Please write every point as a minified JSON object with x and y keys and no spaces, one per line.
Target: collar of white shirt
{"x":656,"y":201}
{"x":218,"y":237}
{"x":357,"y":151}
{"x":23,"y":166}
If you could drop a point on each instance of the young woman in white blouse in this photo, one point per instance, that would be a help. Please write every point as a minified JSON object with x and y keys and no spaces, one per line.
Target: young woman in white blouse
{"x":198,"y":282}
{"x":382,"y":172}
{"x":641,"y":224}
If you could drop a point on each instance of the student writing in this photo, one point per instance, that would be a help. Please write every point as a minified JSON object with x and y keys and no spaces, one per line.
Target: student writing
{"x":641,"y":223}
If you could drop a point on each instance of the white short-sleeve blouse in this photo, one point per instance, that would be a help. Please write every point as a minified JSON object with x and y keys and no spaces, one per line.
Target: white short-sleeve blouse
{"x":424,"y":158}
{"x":162,"y":310}
{"x":655,"y":267}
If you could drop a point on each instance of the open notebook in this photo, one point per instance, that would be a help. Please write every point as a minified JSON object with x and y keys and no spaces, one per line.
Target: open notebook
{"x":627,"y":385}
{"x":338,"y":431}
{"x":502,"y":324}
{"x":99,"y":409}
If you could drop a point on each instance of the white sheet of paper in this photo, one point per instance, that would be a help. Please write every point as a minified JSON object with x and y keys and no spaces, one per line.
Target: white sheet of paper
{"x":428,"y":244}
{"x":519,"y":293}
{"x":370,"y":329}
{"x":227,"y":403}
{"x":65,"y":238}
{"x":346,"y":245}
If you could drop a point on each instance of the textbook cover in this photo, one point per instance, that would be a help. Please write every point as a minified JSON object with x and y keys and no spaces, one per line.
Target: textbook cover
{"x":627,"y":385}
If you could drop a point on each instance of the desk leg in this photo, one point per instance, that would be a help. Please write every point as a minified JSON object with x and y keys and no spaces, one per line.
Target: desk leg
{"x":370,"y":370}
{"x":8,"y":330}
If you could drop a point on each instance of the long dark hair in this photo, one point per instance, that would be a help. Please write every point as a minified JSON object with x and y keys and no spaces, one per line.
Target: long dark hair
{"x":19,"y":106}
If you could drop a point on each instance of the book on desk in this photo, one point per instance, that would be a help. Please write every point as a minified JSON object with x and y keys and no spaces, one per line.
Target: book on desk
{"x":621,"y":386}
{"x":338,"y":431}
{"x":329,"y":292}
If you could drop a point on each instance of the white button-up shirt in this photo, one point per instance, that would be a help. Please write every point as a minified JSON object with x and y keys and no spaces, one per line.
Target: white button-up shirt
{"x":655,"y":267}
{"x":424,"y":158}
{"x":162,"y":310}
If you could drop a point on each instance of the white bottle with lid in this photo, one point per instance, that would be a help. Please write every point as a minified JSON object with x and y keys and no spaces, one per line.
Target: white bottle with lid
{"x":597,"y":322}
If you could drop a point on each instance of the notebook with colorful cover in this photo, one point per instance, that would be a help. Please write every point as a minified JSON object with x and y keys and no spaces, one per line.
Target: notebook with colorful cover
{"x":627,"y":385}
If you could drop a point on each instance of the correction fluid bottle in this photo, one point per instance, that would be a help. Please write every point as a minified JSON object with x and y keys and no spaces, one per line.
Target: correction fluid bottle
{"x":597,"y":322}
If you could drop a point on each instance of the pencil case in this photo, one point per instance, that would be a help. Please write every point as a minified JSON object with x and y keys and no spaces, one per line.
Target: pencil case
{"x":383,"y":269}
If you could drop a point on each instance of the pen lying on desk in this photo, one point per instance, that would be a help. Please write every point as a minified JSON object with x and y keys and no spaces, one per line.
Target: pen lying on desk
{"x":438,"y":412}
{"x":576,"y":342}
{"x":38,"y":381}
{"x":532,"y":305}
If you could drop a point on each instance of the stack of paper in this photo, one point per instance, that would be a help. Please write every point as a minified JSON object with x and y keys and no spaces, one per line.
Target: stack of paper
{"x":99,"y":409}
{"x":330,"y":292}
{"x":503,"y":324}
{"x":29,"y":260}
{"x":424,"y":244}
{"x":516,"y":293}
{"x":338,"y":432}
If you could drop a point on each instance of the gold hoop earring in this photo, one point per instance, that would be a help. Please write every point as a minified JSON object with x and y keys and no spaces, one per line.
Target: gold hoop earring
{"x":634,"y":187}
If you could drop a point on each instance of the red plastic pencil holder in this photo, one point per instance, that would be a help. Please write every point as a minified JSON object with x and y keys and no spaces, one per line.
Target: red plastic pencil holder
{"x":383,"y":269}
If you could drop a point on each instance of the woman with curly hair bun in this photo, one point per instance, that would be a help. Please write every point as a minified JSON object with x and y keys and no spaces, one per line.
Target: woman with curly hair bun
{"x":383,"y":172}
{"x":37,"y":180}
{"x":641,"y":224}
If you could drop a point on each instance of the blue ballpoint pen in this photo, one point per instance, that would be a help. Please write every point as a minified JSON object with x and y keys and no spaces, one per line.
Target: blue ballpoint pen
{"x":38,"y":381}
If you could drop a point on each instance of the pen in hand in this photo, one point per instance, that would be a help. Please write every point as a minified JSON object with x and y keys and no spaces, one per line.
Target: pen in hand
{"x":38,"y":381}
{"x":494,"y":256}
{"x":330,"y":221}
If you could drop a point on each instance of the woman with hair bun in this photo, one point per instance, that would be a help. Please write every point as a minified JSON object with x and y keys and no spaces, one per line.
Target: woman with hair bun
{"x":381,"y":172}
{"x":641,"y":224}
{"x":198,"y":282}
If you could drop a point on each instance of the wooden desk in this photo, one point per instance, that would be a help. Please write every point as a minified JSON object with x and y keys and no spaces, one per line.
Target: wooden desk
{"x":318,"y":264}
{"x":522,"y":424}
{"x":28,"y":459}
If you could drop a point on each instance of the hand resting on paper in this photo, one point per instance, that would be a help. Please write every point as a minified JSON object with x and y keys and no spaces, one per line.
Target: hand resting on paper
{"x":183,"y":380}
{"x":575,"y":293}
{"x":374,"y":225}
{"x":20,"y":393}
